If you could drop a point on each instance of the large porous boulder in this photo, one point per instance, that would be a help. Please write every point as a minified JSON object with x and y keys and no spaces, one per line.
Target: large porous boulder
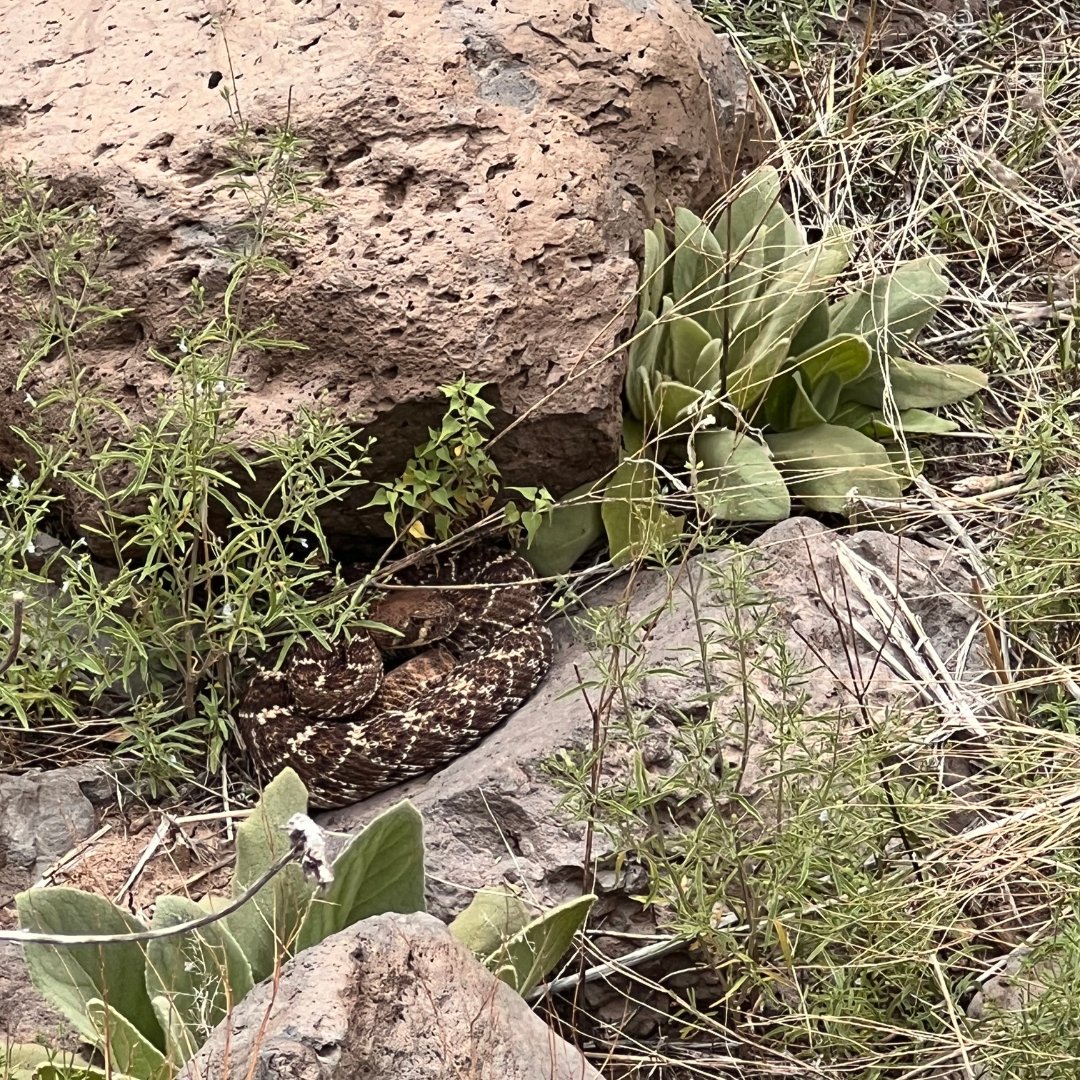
{"x":488,"y":169}
{"x":394,"y":997}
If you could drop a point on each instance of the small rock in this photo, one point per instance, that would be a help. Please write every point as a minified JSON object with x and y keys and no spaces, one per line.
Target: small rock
{"x":394,"y":997}
{"x":43,"y":815}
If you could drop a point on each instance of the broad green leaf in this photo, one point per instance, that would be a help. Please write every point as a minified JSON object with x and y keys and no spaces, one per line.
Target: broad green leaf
{"x":32,"y":1061}
{"x":492,"y":918}
{"x":70,"y":976}
{"x":567,"y":530}
{"x":783,"y":240}
{"x":266,"y":926}
{"x":636,"y":522}
{"x":845,"y":355}
{"x":910,"y":422}
{"x":737,"y":481}
{"x":534,"y":951}
{"x":688,"y":338}
{"x":691,"y":270}
{"x":663,"y":362}
{"x":916,"y":386}
{"x":636,"y":387}
{"x":822,"y":464}
{"x":202,"y":975}
{"x":741,"y":230}
{"x":778,"y":401}
{"x":826,"y":394}
{"x":752,"y":378}
{"x":814,"y":330}
{"x":804,"y":412}
{"x":633,"y":439}
{"x":645,"y":343}
{"x":792,"y":290}
{"x":679,"y":405}
{"x":176,"y":1032}
{"x":652,"y":272}
{"x":706,"y":373}
{"x":700,"y":268}
{"x":381,"y":870}
{"x":852,"y":414}
{"x":894,"y":307}
{"x":744,"y":222}
{"x":124,"y":1048}
{"x":774,"y":318}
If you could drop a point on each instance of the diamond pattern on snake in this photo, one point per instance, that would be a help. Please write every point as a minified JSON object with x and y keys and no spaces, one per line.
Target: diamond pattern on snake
{"x":351,"y":721}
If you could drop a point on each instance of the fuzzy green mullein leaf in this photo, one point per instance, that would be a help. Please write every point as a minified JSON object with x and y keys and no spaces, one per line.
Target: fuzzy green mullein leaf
{"x":492,"y":918}
{"x":736,"y":479}
{"x":746,"y":218}
{"x":568,"y":529}
{"x":699,"y":264}
{"x":266,"y":926}
{"x":200,"y":976}
{"x":380,"y":870}
{"x":846,"y":356}
{"x":792,"y":289}
{"x":71,"y":976}
{"x":533,"y":951}
{"x":637,"y":524}
{"x":812,"y":405}
{"x":814,"y":330}
{"x":641,"y":358}
{"x":823,"y":463}
{"x":709,"y":365}
{"x":894,"y":307}
{"x":653,"y":271}
{"x":761,"y":348}
{"x":688,"y":339}
{"x":907,"y":385}
{"x":876,"y":424}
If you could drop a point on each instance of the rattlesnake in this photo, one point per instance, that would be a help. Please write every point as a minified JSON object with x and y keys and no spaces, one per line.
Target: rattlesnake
{"x":350,"y":728}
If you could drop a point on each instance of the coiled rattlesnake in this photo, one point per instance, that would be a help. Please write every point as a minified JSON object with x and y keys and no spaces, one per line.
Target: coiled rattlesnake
{"x":350,"y":728}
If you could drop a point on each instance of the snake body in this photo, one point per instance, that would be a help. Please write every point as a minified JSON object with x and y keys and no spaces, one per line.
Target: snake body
{"x":352,"y":724}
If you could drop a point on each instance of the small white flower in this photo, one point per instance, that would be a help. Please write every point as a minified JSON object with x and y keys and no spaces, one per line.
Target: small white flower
{"x":65,"y":585}
{"x":31,"y":549}
{"x":219,"y":387}
{"x":303,"y":543}
{"x":200,"y":388}
{"x":823,"y":817}
{"x":227,"y":612}
{"x":182,"y":345}
{"x":16,"y":481}
{"x":189,"y":967}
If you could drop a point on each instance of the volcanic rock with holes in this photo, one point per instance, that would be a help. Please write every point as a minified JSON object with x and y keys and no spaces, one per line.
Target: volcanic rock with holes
{"x":487,"y":167}
{"x":394,"y":997}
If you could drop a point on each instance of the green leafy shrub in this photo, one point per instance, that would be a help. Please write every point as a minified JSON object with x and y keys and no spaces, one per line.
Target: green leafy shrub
{"x":451,"y":481}
{"x":212,"y":551}
{"x":148,"y":1008}
{"x":204,"y":566}
{"x":743,"y":371}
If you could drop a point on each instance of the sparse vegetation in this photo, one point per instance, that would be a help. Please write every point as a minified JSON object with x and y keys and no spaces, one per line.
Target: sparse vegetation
{"x":837,"y":921}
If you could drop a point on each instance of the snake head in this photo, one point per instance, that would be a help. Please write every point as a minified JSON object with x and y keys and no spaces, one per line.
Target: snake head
{"x":419,"y":617}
